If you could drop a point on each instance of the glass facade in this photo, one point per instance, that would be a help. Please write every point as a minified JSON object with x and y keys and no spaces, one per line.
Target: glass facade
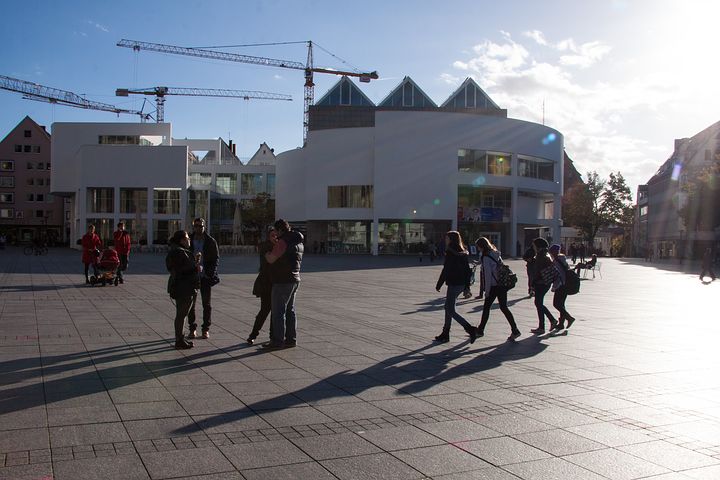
{"x":103,"y":228}
{"x":137,"y":229}
{"x":197,"y":204}
{"x":253,"y":183}
{"x":271,"y":184}
{"x":350,"y":196}
{"x":100,"y":200}
{"x":200,"y":178}
{"x":401,"y":236}
{"x":226,"y":183}
{"x":349,"y":237}
{"x":166,"y":201}
{"x":163,"y":230}
{"x":534,"y":167}
{"x":133,"y":200}
{"x":480,"y":161}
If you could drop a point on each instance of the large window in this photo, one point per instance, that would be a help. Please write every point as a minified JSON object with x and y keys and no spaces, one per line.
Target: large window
{"x":534,"y":167}
{"x":197,"y":203}
{"x":133,"y":200}
{"x":137,"y":229}
{"x":100,"y":200}
{"x":200,"y":178}
{"x":144,"y":140}
{"x":7,"y":182}
{"x":103,"y":228}
{"x":7,"y":213}
{"x":7,"y":197}
{"x":252,"y":183}
{"x":410,"y":237}
{"x":480,"y":161}
{"x":166,"y":201}
{"x":7,"y":165}
{"x":226,"y":183}
{"x":348,"y":237}
{"x":350,"y":196}
{"x":163,"y":230}
{"x":271,"y":184}
{"x":481,"y":204}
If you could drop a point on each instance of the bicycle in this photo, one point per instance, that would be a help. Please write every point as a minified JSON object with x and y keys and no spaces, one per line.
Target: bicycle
{"x":35,"y":250}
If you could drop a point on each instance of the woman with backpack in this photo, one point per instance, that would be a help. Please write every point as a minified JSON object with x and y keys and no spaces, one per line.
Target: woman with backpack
{"x":543,"y":278}
{"x":559,"y":287}
{"x":490,"y":262}
{"x":456,"y":274}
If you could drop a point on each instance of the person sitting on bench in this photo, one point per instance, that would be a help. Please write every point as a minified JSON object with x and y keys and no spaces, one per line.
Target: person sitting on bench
{"x":589,"y":264}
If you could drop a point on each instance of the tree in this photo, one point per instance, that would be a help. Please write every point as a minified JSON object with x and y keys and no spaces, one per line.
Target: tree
{"x":599,"y":203}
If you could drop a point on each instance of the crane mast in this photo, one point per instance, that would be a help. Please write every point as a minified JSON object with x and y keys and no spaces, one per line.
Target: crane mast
{"x":41,"y":93}
{"x":308,"y":68}
{"x":161,"y":92}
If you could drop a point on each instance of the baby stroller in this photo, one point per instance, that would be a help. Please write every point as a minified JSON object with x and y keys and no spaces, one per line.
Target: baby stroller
{"x":105,"y":268}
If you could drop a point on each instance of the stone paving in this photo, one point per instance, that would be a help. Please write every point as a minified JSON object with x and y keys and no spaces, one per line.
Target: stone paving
{"x":91,"y":388}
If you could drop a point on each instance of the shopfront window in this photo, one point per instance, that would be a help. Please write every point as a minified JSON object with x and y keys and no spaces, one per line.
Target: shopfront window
{"x":348,"y":237}
{"x":137,"y":227}
{"x":163,"y":230}
{"x":100,"y":200}
{"x":103,"y":229}
{"x":400,"y":237}
{"x":480,"y":204}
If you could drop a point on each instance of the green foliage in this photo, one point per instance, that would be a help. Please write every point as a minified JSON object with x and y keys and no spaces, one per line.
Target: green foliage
{"x":599,"y":203}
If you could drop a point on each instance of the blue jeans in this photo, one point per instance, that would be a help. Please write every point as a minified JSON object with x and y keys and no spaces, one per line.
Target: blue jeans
{"x":284,"y":322}
{"x":453,"y":291}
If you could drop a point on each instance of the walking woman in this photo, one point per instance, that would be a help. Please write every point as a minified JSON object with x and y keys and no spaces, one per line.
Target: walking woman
{"x":263,"y":285}
{"x":561,"y":265}
{"x":456,"y":275}
{"x":91,"y":243}
{"x":542,"y":281}
{"x":490,"y":260}
{"x":184,"y":282}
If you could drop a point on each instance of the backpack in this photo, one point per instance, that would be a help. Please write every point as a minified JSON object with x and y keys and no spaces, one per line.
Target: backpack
{"x":572,"y":282}
{"x":505,"y":277}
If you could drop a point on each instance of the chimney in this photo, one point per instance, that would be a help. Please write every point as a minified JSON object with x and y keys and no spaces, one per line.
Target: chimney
{"x":233,"y":149}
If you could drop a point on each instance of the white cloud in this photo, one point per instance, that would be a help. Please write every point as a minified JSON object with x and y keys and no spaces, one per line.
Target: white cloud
{"x":450,"y":79}
{"x":588,"y":113}
{"x":100,"y":27}
{"x":536,"y":35}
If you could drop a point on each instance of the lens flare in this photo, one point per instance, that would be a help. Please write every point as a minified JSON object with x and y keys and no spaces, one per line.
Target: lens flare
{"x":479,"y":181}
{"x":676,"y":172}
{"x":436,"y":202}
{"x":549,"y":138}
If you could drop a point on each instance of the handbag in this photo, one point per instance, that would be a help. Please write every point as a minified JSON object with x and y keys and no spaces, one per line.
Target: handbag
{"x":506,"y":278}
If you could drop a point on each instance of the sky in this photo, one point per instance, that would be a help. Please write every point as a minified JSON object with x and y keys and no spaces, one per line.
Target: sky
{"x":620,"y":79}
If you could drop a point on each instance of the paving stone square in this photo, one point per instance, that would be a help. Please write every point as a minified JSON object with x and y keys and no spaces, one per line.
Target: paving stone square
{"x":91,"y":386}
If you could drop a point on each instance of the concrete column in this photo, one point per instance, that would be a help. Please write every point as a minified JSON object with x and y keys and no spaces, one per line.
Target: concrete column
{"x":375,"y":247}
{"x":149,"y":219}
{"x":513,"y":218}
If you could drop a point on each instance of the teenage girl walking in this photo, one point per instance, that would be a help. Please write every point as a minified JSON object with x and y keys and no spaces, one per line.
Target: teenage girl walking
{"x":542,"y":281}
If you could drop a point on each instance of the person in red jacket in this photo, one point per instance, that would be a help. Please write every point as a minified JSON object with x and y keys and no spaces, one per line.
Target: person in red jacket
{"x":90,"y":245}
{"x":122,"y":247}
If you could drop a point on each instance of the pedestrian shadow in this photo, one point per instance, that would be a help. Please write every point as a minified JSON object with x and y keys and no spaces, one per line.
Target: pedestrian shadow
{"x":410,"y":373}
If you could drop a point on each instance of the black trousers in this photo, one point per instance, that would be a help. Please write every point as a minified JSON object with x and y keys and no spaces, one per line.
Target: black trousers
{"x":205,"y":293}
{"x":123,"y":265}
{"x":559,"y":303}
{"x":265,"y":307}
{"x":183,"y":306}
{"x":501,"y":294}
{"x":542,"y":310}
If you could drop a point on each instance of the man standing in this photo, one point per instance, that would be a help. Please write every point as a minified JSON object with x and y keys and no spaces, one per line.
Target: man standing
{"x":285,"y":260}
{"x":122,"y":242}
{"x":205,"y":247}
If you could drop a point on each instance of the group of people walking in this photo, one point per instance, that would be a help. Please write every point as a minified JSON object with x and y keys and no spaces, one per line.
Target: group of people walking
{"x":193,"y":260}
{"x":549,"y":274}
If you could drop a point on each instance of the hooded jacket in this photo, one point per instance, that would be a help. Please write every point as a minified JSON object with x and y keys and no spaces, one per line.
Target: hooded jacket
{"x":286,"y":269}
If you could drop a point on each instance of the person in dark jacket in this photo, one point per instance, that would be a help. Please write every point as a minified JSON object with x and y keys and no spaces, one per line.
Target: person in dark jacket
{"x":263,"y":286}
{"x":206,"y":246}
{"x":561,"y":265}
{"x":121,"y":239}
{"x":490,"y":261}
{"x":285,"y":260}
{"x":456,"y":274}
{"x":542,"y":281}
{"x":529,"y":257}
{"x":184,"y":282}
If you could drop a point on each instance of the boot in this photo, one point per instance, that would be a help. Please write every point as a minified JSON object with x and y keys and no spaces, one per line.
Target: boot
{"x":472,"y":331}
{"x":251,"y":338}
{"x":444,"y":337}
{"x":182,"y":344}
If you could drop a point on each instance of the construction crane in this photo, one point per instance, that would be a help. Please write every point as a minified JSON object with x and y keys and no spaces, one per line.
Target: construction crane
{"x":308,"y":67}
{"x":40,"y":93}
{"x":161,"y":92}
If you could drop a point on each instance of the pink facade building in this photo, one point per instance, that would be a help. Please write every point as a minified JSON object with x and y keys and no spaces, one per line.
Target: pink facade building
{"x":27,"y":209}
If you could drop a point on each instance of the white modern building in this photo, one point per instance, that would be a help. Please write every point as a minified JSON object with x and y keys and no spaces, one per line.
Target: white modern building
{"x":394,"y":177}
{"x":136,"y":172}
